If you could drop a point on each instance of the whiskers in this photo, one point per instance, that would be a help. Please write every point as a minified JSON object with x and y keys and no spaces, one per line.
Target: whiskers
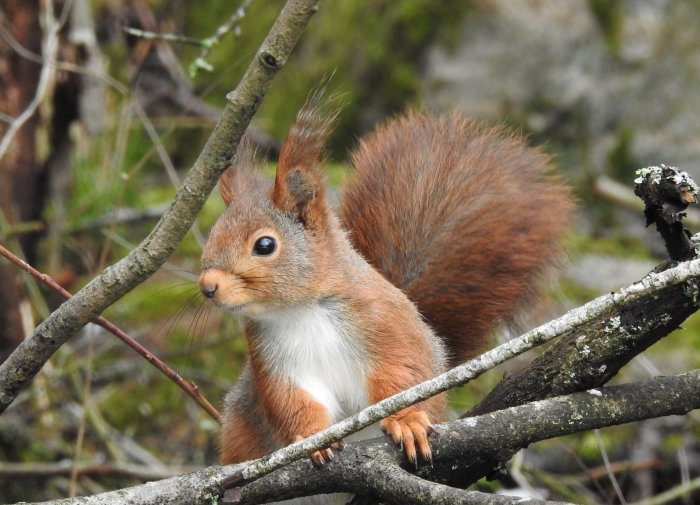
{"x":186,"y":299}
{"x":259,"y":284}
{"x":200,"y":321}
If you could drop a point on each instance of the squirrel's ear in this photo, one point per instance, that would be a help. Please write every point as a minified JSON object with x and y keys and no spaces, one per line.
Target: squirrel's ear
{"x":227,"y":185}
{"x":241,"y":176}
{"x":300,"y":184}
{"x":299,"y":190}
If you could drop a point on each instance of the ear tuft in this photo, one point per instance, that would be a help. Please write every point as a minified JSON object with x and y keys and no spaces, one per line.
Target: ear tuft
{"x":299,"y":184}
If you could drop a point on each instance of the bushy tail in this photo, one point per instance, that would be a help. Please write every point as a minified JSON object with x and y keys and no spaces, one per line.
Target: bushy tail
{"x":460,"y":216}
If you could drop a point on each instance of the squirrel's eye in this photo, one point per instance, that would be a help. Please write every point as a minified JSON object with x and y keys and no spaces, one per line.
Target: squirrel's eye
{"x":264,"y":246}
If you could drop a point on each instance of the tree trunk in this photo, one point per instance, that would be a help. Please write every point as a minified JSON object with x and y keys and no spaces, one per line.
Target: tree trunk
{"x":20,"y":170}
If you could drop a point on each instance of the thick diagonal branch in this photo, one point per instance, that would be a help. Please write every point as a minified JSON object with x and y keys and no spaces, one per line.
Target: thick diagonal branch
{"x":120,"y":278}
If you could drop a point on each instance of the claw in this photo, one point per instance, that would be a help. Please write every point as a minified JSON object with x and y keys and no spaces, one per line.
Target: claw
{"x":410,"y":431}
{"x":320,"y":458}
{"x":317,"y":458}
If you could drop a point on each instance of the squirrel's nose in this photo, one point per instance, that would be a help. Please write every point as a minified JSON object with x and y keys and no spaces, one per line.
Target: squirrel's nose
{"x":208,"y":290}
{"x":208,"y":284}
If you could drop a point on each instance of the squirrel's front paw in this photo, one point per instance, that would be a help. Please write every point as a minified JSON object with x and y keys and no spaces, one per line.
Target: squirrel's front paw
{"x":410,"y":430}
{"x":319,"y":458}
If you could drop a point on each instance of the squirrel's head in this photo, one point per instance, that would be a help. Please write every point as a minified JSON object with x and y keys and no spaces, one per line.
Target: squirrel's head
{"x":268,"y":249}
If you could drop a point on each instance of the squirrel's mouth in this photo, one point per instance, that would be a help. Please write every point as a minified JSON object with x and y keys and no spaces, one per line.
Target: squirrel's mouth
{"x":234,"y":309}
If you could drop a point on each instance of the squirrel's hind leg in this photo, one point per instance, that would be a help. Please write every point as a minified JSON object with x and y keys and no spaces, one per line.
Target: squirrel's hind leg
{"x":240,"y":440}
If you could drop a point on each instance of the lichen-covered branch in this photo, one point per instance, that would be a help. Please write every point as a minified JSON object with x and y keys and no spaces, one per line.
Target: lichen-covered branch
{"x":118,"y":279}
{"x":595,"y":351}
{"x":460,"y":447}
{"x":393,"y":484}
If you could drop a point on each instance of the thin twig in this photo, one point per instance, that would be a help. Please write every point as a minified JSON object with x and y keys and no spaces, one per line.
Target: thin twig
{"x":672,"y":494}
{"x":200,"y":62}
{"x":233,"y":24}
{"x":190,"y":388}
{"x":608,"y":467}
{"x":169,"y":37}
{"x":64,"y":468}
{"x":167,"y":162}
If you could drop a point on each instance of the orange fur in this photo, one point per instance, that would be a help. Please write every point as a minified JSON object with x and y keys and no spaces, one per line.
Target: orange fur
{"x":240,"y":441}
{"x":291,"y":411}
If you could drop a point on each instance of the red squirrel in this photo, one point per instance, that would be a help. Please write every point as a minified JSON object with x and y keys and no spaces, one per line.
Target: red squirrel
{"x":439,"y":237}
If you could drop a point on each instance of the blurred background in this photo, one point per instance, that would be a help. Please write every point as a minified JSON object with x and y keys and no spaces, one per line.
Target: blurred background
{"x":608,"y":86}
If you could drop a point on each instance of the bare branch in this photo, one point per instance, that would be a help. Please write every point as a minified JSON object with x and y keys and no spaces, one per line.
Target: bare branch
{"x":168,"y":37}
{"x":396,"y":485}
{"x":232,"y":24}
{"x":64,"y":468}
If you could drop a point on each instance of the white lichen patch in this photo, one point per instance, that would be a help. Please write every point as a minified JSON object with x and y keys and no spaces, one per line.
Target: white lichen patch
{"x":585,"y":351}
{"x":575,"y":418}
{"x":594,"y":392}
{"x":613,"y":325}
{"x":651,"y":173}
{"x":654,"y":175}
{"x":682,"y":178}
{"x":692,"y":291}
{"x":470,"y":422}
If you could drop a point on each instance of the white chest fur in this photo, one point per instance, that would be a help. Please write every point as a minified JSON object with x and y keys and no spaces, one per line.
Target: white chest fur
{"x":310,"y":347}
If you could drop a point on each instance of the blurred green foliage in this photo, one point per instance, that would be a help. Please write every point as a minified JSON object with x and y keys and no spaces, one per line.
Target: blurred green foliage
{"x":373,"y":49}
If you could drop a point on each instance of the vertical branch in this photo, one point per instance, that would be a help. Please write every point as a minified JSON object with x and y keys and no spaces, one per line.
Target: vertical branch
{"x":120,"y":278}
{"x":666,"y":193}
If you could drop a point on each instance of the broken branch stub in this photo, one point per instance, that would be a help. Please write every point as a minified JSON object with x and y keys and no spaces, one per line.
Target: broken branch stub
{"x":666,"y":193}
